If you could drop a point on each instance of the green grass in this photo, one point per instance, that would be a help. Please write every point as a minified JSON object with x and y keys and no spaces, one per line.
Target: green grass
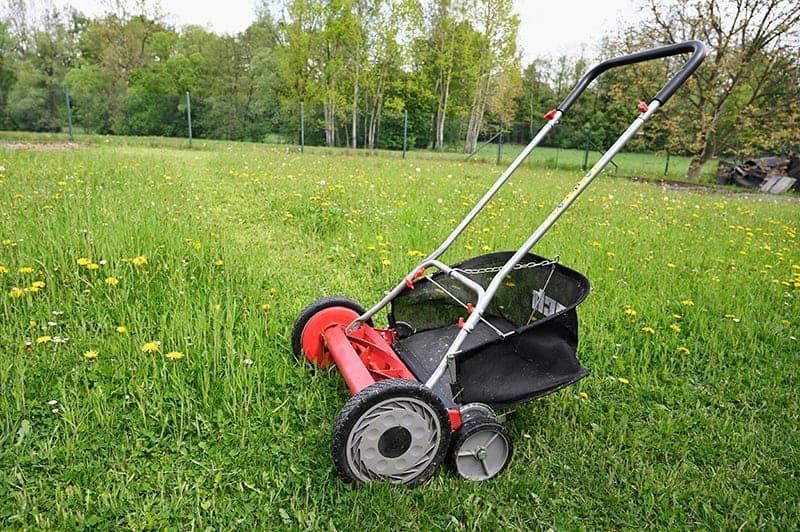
{"x":688,"y":421}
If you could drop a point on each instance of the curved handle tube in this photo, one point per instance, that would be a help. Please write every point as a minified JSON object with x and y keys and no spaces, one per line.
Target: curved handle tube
{"x":696,"y":48}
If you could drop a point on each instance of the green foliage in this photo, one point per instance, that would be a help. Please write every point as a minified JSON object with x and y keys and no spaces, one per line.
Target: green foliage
{"x":357,"y":65}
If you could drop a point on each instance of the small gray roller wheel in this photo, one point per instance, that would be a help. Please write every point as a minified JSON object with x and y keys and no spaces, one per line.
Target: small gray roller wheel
{"x":481,"y":449}
{"x":394,"y":430}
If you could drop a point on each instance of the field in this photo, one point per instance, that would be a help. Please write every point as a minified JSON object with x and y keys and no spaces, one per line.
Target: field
{"x":146,"y":376}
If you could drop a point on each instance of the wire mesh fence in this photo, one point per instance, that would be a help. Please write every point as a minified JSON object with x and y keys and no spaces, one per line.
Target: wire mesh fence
{"x":141,"y":113}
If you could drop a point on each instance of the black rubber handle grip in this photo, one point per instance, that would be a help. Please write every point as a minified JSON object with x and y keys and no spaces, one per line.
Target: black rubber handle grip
{"x":696,"y":48}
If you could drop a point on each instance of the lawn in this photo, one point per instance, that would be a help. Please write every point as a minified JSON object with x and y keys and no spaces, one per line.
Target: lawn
{"x":148,"y":291}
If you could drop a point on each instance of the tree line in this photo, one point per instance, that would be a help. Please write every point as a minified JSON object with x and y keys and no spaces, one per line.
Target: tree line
{"x":358,"y":65}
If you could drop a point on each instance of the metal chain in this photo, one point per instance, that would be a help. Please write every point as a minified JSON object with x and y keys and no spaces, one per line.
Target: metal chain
{"x":495,"y":269}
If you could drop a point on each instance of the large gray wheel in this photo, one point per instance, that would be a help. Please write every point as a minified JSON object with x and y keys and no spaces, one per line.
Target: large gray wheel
{"x":394,"y":430}
{"x":481,"y":449}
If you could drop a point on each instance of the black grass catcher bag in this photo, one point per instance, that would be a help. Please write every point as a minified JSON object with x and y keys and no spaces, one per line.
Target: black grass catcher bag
{"x":525,"y":345}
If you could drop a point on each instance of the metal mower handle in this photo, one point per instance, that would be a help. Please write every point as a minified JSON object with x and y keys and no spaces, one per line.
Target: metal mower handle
{"x":697,"y":48}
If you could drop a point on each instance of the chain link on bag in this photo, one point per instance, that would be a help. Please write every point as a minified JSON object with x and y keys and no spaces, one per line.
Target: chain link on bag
{"x":495,"y":269}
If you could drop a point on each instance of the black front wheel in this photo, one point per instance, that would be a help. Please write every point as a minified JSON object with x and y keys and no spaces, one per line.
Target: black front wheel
{"x":394,"y":430}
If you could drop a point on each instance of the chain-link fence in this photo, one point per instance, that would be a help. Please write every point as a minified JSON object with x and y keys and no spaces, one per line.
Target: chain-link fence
{"x":140,"y":113}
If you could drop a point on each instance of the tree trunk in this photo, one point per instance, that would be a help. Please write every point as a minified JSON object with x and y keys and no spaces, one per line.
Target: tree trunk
{"x":702,"y":156}
{"x":441,"y":112}
{"x":476,"y":114}
{"x":355,"y":106}
{"x":330,"y":124}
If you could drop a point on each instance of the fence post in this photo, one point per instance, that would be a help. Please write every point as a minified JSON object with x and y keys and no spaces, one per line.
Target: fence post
{"x":302,"y":128}
{"x":500,"y":143}
{"x":405,"y":132}
{"x":586,"y":150}
{"x":189,"y":117}
{"x":69,"y":112}
{"x":666,"y":166}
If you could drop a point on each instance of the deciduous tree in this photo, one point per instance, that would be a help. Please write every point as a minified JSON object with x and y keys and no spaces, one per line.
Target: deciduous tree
{"x":745,"y":83}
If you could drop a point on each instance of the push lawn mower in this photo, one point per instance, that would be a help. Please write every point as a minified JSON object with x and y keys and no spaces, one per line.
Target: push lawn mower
{"x":463,"y":341}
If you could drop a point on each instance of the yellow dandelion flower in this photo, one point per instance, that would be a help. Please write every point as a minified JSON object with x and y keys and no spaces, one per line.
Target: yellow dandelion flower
{"x":43,"y":339}
{"x":688,"y":302}
{"x":730,"y":316}
{"x":90,"y":355}
{"x":677,"y":317}
{"x":33,"y":324}
{"x":3,"y":269}
{"x":26,"y":269}
{"x":121,"y":329}
{"x":150,"y":347}
{"x":675,"y":327}
{"x":38,"y":284}
{"x":648,"y":329}
{"x":623,"y":380}
{"x":174,"y":355}
{"x":219,"y":262}
{"x":671,"y":265}
{"x":630,"y":312}
{"x":266,"y":307}
{"x":386,"y":262}
{"x":583,"y":395}
{"x":273,"y":291}
{"x":6,"y":242}
{"x":141,"y":260}
{"x":92,"y":266}
{"x":83,"y":261}
{"x":684,"y":350}
{"x":16,"y":292}
{"x":112,"y":281}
